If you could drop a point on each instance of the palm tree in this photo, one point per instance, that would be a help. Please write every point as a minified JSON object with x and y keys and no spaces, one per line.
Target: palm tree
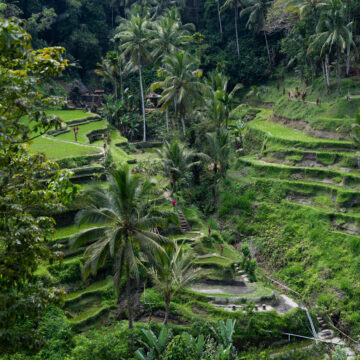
{"x":257,"y":9}
{"x":219,"y":18}
{"x":181,"y":85}
{"x":219,"y":150}
{"x":177,"y":160}
{"x":219,"y":101}
{"x":123,"y":216}
{"x":168,"y":36}
{"x":305,"y":7}
{"x":235,"y":4}
{"x":134,"y":36}
{"x":175,"y":272}
{"x":333,"y":33}
{"x":112,"y":68}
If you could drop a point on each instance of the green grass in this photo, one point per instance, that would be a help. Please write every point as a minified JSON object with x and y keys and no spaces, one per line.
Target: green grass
{"x":93,"y":288}
{"x":83,"y":131}
{"x":68,"y":231}
{"x":311,"y":173}
{"x":69,"y":115}
{"x":293,"y":137}
{"x":118,"y":155}
{"x":56,"y":150}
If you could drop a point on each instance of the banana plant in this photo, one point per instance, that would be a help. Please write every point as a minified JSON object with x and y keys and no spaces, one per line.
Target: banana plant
{"x":154,"y":346}
{"x":225,"y":331}
{"x":197,"y":344}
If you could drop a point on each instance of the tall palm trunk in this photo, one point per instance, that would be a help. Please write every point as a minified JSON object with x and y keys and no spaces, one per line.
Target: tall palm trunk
{"x":338,"y":71}
{"x":327,"y":70}
{"x":236,"y":31}
{"x":267,"y":47}
{"x":348,"y":54}
{"x":142,"y":102}
{"x":167,"y":305}
{"x":219,"y":17}
{"x":121,"y":87}
{"x":183,"y":122}
{"x":128,"y":297}
{"x":167,"y":119}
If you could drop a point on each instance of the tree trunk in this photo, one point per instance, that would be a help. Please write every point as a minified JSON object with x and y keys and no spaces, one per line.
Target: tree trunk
{"x":128,"y":298}
{"x":183,"y":123}
{"x":324,"y":72}
{"x":121,"y":87}
{"x":267,"y":47}
{"x":173,"y":187}
{"x":167,"y":119}
{"x":338,"y":71}
{"x":167,"y":305}
{"x":236,"y":31}
{"x":219,"y":16}
{"x":327,"y":70}
{"x":116,"y":89}
{"x":348,"y":54}
{"x":142,"y":103}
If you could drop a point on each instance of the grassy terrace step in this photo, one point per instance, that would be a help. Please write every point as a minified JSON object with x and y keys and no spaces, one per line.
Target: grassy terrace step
{"x":90,"y":315}
{"x":341,"y":196}
{"x":72,"y":115}
{"x":309,"y":173}
{"x":94,"y":288}
{"x":333,"y":215}
{"x":277,"y":134}
{"x":305,"y":188}
{"x":325,"y":158}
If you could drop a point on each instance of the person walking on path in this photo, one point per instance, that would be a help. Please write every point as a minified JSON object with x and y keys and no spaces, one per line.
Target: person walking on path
{"x":221,"y":250}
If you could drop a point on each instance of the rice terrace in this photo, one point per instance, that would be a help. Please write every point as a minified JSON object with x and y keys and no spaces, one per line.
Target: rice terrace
{"x":179,"y":180}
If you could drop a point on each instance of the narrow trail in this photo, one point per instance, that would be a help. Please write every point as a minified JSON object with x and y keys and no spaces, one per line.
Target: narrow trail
{"x":74,"y":143}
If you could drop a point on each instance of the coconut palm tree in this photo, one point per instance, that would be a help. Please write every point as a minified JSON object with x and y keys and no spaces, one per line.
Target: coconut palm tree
{"x":181,"y":85}
{"x":123,"y":217}
{"x":219,"y":18}
{"x":168,"y":36}
{"x":112,"y":68}
{"x":177,"y":160}
{"x":235,"y":4}
{"x":134,"y":37}
{"x":219,"y":100}
{"x":332,"y":33}
{"x":257,"y":9}
{"x":174,"y":272}
{"x":219,"y":150}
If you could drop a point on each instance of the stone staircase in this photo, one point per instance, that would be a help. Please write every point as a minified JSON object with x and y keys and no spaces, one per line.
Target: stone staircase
{"x":184,"y":225}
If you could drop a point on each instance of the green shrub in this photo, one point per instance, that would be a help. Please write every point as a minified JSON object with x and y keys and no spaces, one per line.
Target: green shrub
{"x":107,"y":344}
{"x":67,"y":272}
{"x":178,"y":349}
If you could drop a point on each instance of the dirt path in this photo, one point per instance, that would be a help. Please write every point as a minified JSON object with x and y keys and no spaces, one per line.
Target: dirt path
{"x":74,"y":143}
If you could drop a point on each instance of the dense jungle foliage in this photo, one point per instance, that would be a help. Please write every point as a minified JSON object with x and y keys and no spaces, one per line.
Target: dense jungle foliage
{"x":179,"y":179}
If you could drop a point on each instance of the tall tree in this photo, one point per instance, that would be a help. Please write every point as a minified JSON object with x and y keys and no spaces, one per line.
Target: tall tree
{"x":168,"y":36}
{"x":134,"y":37}
{"x":257,"y":9}
{"x":124,"y":217}
{"x":174,"y":272}
{"x":219,"y":150}
{"x":234,"y":4}
{"x":332,"y":33}
{"x":31,"y":187}
{"x":181,"y":84}
{"x":177,"y":160}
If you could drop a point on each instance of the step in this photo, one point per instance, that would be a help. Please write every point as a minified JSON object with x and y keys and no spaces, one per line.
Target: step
{"x":276,"y":134}
{"x":333,"y":176}
{"x":341,"y":196}
{"x":348,"y":161}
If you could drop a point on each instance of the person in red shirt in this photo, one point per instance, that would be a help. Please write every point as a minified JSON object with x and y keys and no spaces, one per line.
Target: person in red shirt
{"x":221,"y":250}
